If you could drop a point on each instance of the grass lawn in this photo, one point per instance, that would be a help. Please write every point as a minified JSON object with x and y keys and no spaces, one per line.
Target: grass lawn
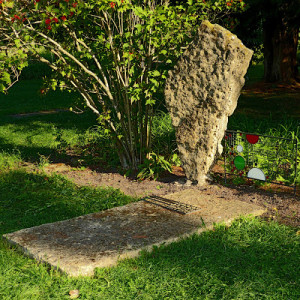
{"x":252,"y":259}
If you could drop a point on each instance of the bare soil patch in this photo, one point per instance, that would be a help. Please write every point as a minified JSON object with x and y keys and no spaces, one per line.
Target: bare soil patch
{"x":281,"y":204}
{"x":38,"y":113}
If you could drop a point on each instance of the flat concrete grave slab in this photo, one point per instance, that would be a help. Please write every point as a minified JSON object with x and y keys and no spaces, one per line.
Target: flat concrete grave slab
{"x":77,"y":246}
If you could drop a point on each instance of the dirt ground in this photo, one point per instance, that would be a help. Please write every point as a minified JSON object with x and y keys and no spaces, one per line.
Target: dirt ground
{"x":281,"y":204}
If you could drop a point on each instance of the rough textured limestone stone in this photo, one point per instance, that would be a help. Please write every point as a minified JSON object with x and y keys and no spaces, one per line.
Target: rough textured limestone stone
{"x":78,"y":246}
{"x":201,"y":92}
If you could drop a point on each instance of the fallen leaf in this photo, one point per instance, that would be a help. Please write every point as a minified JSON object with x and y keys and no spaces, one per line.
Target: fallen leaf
{"x":74,"y":294}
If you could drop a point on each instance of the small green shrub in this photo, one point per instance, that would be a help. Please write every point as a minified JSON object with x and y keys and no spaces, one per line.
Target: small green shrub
{"x":153,"y":167}
{"x":163,"y":134}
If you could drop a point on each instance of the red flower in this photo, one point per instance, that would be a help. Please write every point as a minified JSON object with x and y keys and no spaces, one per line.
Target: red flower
{"x":112,"y":4}
{"x":47,"y":21}
{"x":55,"y":20}
{"x":37,"y":0}
{"x":71,"y":14}
{"x":49,"y":27}
{"x":228,"y":4}
{"x":17,"y":17}
{"x":12,"y":19}
{"x":74,"y":4}
{"x":24,"y":19}
{"x":64,"y":18}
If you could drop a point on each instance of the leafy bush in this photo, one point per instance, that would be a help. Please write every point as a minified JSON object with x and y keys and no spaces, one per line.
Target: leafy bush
{"x":115,"y":55}
{"x":153,"y":167}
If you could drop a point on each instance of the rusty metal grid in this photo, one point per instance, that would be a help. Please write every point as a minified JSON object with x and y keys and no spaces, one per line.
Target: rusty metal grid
{"x":179,"y":207}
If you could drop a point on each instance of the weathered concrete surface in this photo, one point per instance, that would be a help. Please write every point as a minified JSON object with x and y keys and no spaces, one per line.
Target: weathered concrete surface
{"x":201,"y":92}
{"x":79,"y":245}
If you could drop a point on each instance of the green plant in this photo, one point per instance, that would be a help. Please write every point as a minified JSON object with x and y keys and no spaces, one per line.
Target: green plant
{"x":10,"y":160}
{"x":163,"y":134}
{"x":153,"y":166}
{"x":275,"y":155}
{"x":115,"y":55}
{"x":238,"y":180}
{"x":175,"y":160}
{"x":44,"y":161}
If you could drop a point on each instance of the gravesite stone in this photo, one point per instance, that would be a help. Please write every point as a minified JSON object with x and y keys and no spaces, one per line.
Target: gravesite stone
{"x":202,"y":92}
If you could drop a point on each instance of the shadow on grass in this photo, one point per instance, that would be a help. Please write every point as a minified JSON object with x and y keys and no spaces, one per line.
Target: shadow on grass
{"x":25,"y":97}
{"x":50,"y":135}
{"x":250,"y":260}
{"x":29,"y":199}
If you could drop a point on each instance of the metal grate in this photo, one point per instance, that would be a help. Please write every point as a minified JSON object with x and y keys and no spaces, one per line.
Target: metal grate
{"x":179,"y":207}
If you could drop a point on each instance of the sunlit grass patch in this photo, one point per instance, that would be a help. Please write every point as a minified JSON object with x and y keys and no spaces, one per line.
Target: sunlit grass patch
{"x":252,"y":259}
{"x":10,"y":160}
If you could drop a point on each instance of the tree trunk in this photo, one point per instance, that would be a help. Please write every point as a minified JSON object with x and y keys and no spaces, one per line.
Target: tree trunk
{"x":280,"y":51}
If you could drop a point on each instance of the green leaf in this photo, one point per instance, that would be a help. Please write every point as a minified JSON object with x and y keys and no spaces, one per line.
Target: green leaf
{"x":18,"y":43}
{"x":150,"y":102}
{"x":6,"y":77}
{"x":155,"y":73}
{"x":2,"y":88}
{"x":139,"y":27}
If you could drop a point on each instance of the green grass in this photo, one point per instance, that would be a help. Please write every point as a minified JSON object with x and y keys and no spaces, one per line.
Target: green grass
{"x":254,"y":74}
{"x":29,"y":199}
{"x":44,"y":135}
{"x":250,"y":260}
{"x":25,"y":97}
{"x":260,"y":101}
{"x":48,"y":135}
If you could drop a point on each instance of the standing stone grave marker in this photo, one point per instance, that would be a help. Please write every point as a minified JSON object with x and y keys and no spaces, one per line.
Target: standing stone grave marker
{"x":201,"y":92}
